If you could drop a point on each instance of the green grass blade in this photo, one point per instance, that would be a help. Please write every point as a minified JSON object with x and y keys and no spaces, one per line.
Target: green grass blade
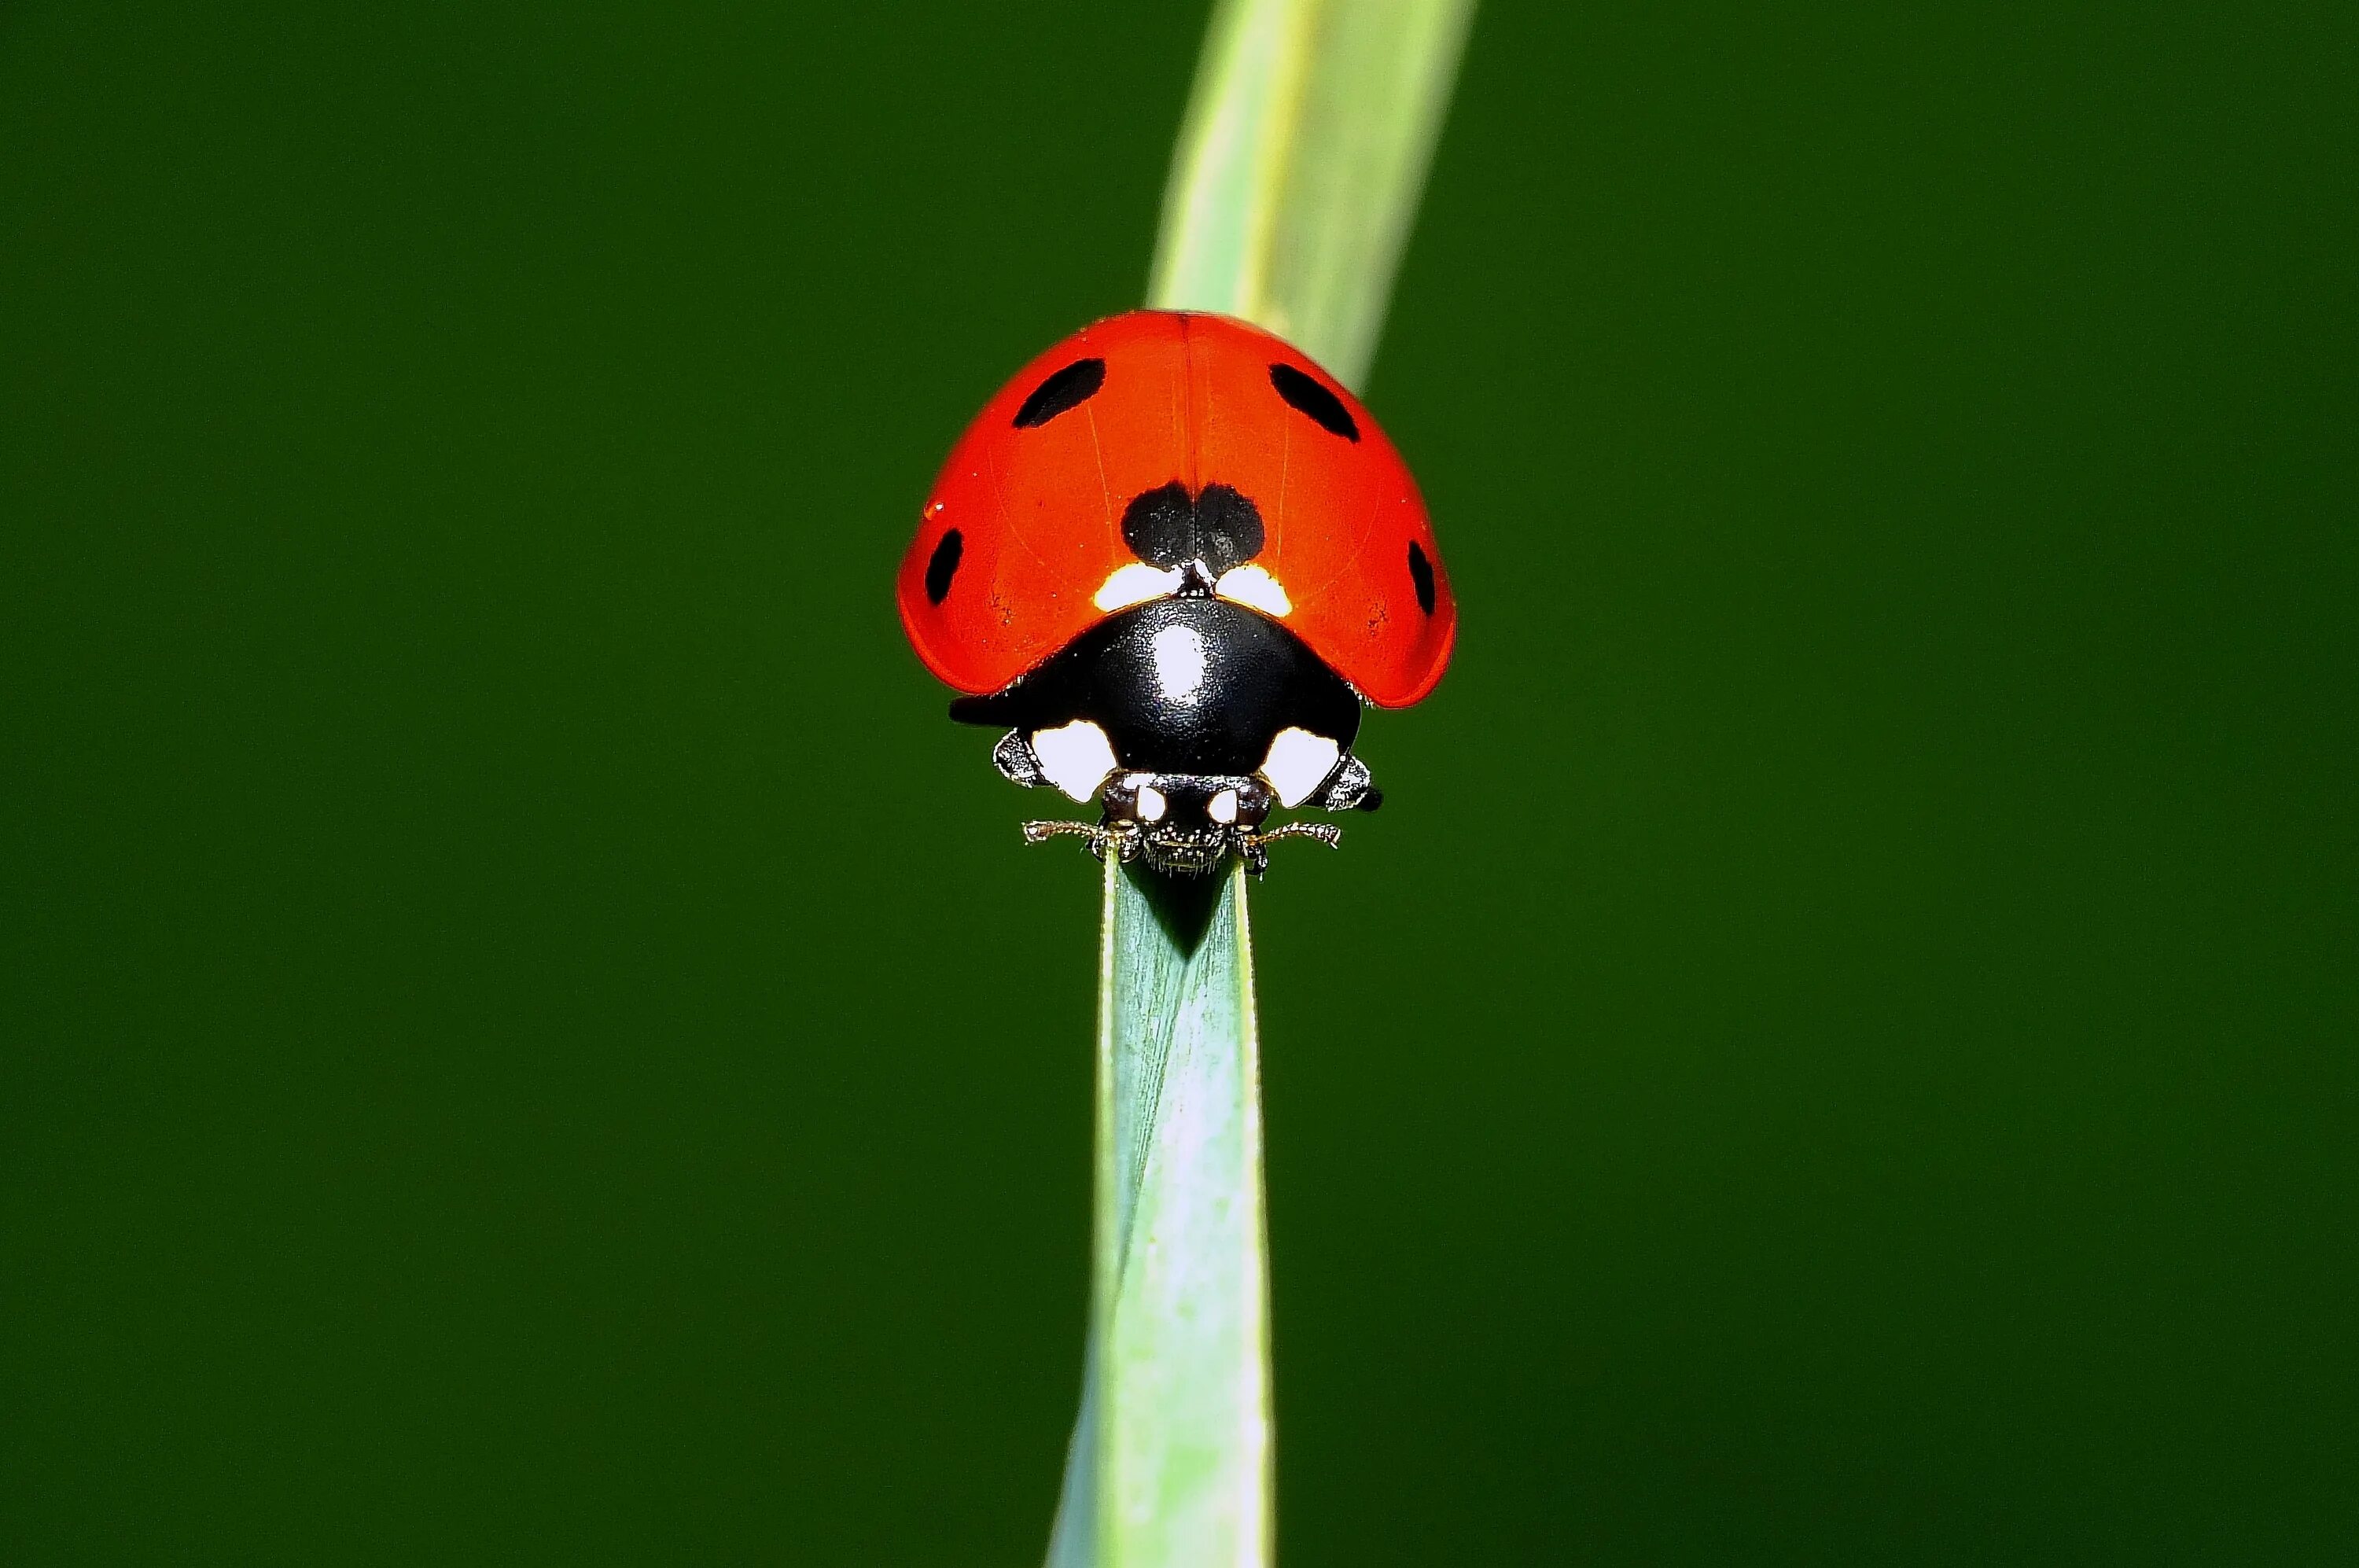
{"x":1170,"y":1460}
{"x":1293,"y":190}
{"x":1300,"y":164}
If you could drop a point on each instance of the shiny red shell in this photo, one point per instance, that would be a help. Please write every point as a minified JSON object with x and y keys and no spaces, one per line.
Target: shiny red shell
{"x":1190,"y":399}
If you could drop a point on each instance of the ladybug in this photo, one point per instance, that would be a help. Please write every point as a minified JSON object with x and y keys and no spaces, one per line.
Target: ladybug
{"x":1172,"y":560}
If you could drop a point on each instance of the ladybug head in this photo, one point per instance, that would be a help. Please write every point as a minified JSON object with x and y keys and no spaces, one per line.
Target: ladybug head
{"x":1185,"y":821}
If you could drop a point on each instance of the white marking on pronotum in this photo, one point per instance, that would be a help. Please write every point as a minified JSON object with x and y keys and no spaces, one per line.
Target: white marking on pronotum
{"x":1297,"y":763}
{"x":1150,"y":804}
{"x":1134,"y":584}
{"x":1252,"y":587}
{"x":1075,"y":756}
{"x":1179,"y":663}
{"x":1222,"y":806}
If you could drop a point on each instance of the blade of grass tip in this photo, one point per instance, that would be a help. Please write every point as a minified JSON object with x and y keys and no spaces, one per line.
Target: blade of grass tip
{"x":1299,"y":166}
{"x":1293,"y":190}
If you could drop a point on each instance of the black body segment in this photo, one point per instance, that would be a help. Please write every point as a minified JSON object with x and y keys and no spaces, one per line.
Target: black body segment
{"x":1181,"y":685}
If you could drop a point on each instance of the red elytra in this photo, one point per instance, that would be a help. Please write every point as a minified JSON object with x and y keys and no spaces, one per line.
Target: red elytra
{"x":1193,"y":399}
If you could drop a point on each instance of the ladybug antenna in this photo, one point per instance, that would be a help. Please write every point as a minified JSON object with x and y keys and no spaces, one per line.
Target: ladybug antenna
{"x":1255,"y":847}
{"x":1128,"y":842}
{"x":1327,"y":833}
{"x":1122,"y":837}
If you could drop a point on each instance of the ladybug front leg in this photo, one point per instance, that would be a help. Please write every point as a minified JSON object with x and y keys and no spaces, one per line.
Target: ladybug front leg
{"x":1017,"y":762}
{"x":1250,"y":851}
{"x":1347,"y":789}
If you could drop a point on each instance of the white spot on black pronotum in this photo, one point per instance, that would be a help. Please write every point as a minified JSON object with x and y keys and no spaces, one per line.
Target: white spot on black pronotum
{"x":1297,"y":763}
{"x":1222,"y":806}
{"x":1076,"y":757}
{"x":1179,"y":663}
{"x":1151,"y":804}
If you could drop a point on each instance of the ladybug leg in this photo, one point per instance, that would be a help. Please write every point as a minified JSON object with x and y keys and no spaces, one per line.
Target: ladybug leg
{"x":1014,"y":758}
{"x":1123,"y":838}
{"x":1348,"y":788}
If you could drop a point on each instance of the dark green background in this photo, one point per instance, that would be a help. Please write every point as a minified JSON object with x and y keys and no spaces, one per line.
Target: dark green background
{"x":527,"y":1037}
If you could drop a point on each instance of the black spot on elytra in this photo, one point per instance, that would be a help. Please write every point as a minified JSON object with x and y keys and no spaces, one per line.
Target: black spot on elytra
{"x":1219,"y":527}
{"x":1421,"y":573}
{"x":1068,"y":388}
{"x":1305,"y":392}
{"x":944,"y":566}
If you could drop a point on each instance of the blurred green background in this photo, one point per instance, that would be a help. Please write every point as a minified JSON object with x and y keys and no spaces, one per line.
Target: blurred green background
{"x":528,"y":1038}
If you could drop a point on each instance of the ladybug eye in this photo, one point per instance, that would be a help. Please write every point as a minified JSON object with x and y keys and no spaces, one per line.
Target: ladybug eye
{"x":1074,"y":384}
{"x":1420,"y":574}
{"x":1305,"y":392}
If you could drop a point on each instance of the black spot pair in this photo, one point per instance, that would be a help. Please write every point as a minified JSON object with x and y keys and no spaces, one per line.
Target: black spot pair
{"x":1165,"y":528}
{"x":1222,"y":528}
{"x":1219,"y":527}
{"x":1079,"y":382}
